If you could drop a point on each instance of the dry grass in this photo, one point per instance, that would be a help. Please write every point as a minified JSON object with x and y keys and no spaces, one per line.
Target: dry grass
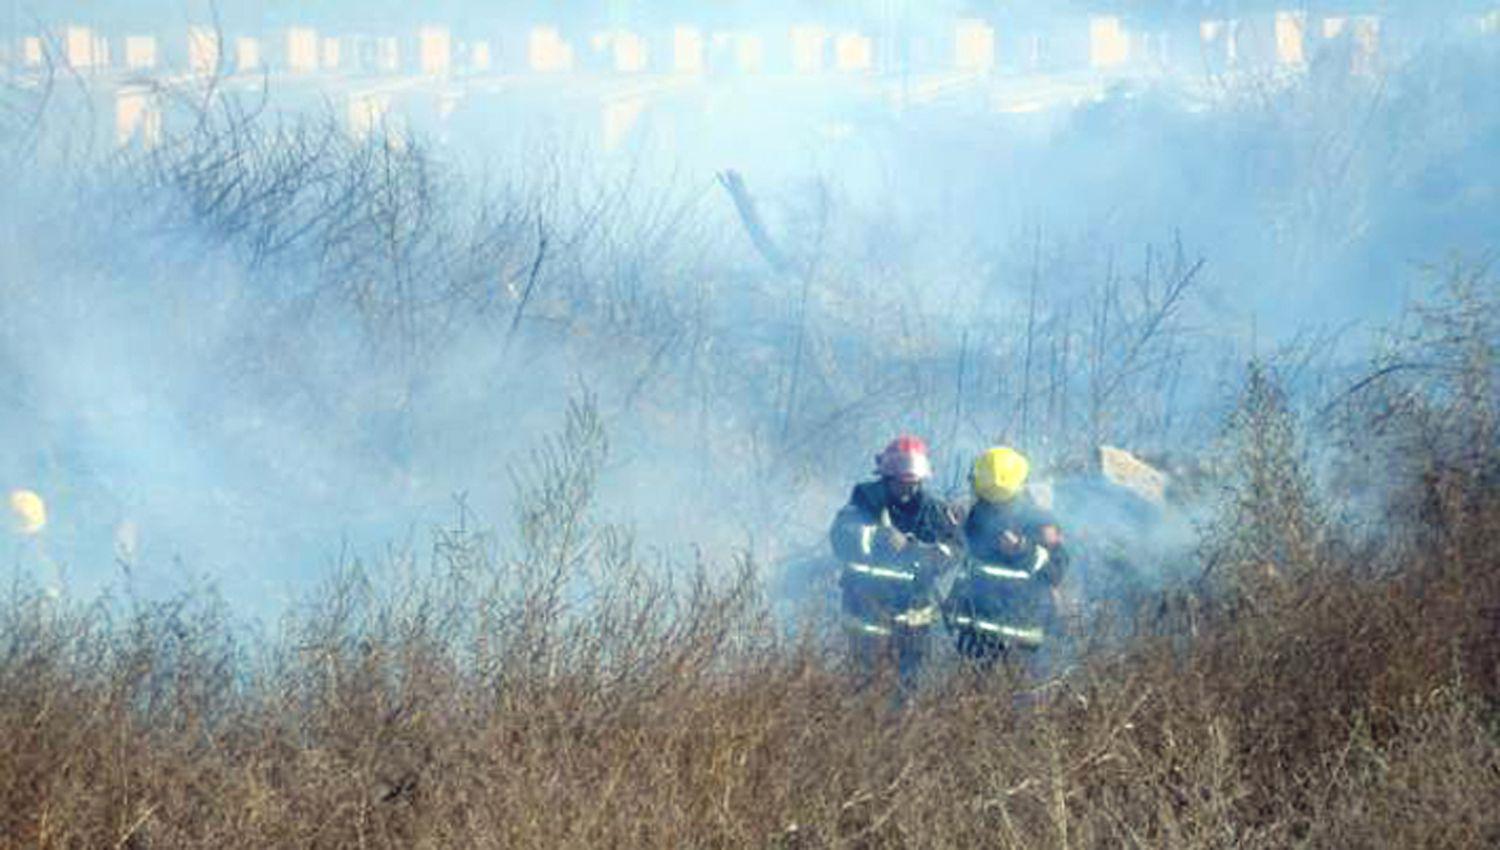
{"x":570,"y":694}
{"x":1345,"y":715}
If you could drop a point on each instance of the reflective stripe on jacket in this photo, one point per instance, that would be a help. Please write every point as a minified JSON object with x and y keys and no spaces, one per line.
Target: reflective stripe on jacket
{"x":876,"y":626}
{"x":1008,"y":601}
{"x":885,"y":594}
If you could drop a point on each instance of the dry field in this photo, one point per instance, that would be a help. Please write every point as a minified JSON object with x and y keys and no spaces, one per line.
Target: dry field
{"x":1308,"y":692}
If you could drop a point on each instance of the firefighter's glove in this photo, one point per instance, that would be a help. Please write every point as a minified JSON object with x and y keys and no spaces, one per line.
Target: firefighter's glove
{"x":888,"y":543}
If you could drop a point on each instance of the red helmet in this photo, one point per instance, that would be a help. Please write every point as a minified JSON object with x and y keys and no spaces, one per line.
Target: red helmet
{"x":905,"y":459}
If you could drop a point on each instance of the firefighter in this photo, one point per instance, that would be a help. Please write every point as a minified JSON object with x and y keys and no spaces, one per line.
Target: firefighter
{"x":895,"y":540}
{"x":1005,"y":599}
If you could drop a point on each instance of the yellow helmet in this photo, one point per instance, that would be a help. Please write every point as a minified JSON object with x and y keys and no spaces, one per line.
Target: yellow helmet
{"x":999,"y":474}
{"x":28,"y":513}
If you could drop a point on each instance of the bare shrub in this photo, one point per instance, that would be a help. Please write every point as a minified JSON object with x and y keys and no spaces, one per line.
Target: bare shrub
{"x":559,"y":690}
{"x":1430,"y":406}
{"x":1270,"y":521}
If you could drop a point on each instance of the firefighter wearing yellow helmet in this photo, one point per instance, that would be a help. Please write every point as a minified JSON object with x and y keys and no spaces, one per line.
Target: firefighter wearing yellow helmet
{"x":1005,"y":598}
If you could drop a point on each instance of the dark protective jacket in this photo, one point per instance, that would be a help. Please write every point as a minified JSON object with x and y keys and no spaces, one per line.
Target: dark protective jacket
{"x":1007,"y":597}
{"x":988,"y":521}
{"x":881,"y":591}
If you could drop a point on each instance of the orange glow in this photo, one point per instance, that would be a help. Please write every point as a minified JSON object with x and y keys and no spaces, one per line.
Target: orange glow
{"x":974,"y":46}
{"x":140,"y":52}
{"x":435,"y":49}
{"x":1333,"y":27}
{"x":203,"y":50}
{"x":807,"y":49}
{"x":1289,"y":29}
{"x":1109,"y":46}
{"x":853,"y":52}
{"x":302,"y":50}
{"x":687,"y":50}
{"x":31,"y":51}
{"x":546,"y":51}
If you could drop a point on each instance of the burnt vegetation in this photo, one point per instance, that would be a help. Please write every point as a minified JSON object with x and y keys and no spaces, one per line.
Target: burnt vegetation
{"x":1324,"y":677}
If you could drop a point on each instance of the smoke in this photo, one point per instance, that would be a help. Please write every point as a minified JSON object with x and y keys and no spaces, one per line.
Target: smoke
{"x":188,"y":405}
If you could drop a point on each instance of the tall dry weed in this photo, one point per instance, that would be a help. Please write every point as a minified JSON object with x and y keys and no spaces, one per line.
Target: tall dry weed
{"x":561,"y":691}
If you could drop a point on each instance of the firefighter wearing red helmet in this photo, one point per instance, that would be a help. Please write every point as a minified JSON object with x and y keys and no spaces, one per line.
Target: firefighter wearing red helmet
{"x":895,"y":540}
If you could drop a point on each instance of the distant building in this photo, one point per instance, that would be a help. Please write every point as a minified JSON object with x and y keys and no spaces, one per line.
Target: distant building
{"x":247,"y":57}
{"x":435,"y":51}
{"x":331,"y":54}
{"x":1217,"y":40}
{"x":480,"y":58}
{"x":749,"y":53}
{"x":629,"y":52}
{"x":1149,"y":48}
{"x":1109,"y":45}
{"x":974,"y":46}
{"x":202,"y":50}
{"x":32,"y":55}
{"x":853,"y":53}
{"x":808,"y":43}
{"x":302,"y":50}
{"x":547,"y":52}
{"x":687,"y":50}
{"x":1291,"y":38}
{"x":140,"y":52}
{"x":1366,"y":38}
{"x":387,"y":55}
{"x":82,"y":50}
{"x":1254,"y":40}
